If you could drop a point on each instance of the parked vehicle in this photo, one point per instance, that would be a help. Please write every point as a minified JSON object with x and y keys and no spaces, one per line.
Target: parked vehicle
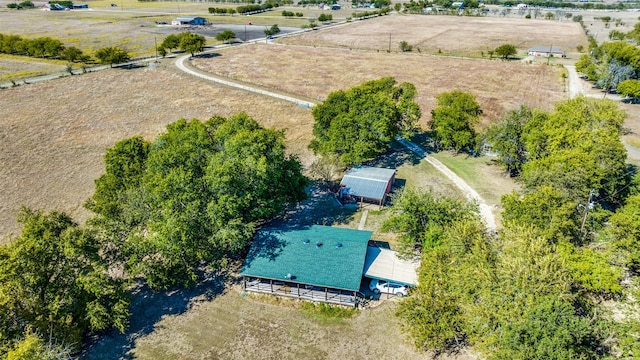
{"x":382,"y":286}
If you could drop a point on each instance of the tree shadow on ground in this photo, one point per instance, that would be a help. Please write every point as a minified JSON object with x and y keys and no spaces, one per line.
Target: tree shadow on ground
{"x":147,"y":309}
{"x":425,"y":141}
{"x":395,"y":157}
{"x":321,"y":208}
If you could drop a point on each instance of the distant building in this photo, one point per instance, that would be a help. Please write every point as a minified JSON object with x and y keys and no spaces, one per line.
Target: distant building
{"x":367,"y":183}
{"x":80,"y":6}
{"x":545,"y":51}
{"x":189,"y":20}
{"x":336,"y":7}
{"x":54,"y":7}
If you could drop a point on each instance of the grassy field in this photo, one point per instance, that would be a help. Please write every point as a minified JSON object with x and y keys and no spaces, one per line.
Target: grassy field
{"x":53,"y":135}
{"x":314,"y":72}
{"x":15,"y":67}
{"x":448,"y":35}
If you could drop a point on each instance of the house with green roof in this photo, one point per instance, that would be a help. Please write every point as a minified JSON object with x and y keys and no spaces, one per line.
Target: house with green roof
{"x":315,"y":263}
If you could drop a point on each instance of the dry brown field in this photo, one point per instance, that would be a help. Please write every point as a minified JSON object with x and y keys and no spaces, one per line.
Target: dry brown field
{"x":53,"y":135}
{"x":449,"y":35}
{"x":314,"y":72}
{"x":15,"y":67}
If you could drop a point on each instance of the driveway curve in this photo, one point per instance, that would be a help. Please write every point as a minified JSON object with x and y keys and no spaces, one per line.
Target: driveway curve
{"x":485,"y":210}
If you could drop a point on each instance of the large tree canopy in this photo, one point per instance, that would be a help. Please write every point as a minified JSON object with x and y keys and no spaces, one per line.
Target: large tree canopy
{"x":453,"y":118}
{"x":359,"y":124}
{"x":193,"y":196}
{"x":577,"y":149}
{"x":54,"y":281}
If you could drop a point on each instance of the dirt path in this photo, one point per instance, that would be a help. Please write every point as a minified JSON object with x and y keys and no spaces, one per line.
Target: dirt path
{"x":485,"y":210}
{"x":470,"y":193}
{"x":576,"y":86}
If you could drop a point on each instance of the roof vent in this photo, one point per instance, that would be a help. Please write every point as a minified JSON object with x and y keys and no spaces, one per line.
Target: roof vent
{"x":288,"y":276}
{"x":338,"y":245}
{"x":306,"y":241}
{"x":318,"y":244}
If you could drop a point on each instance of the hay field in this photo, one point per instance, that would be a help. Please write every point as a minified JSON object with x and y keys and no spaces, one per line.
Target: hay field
{"x":53,"y":135}
{"x":449,"y":35}
{"x":314,"y":72}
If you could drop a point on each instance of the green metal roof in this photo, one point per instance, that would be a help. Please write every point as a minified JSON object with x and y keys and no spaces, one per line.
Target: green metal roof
{"x":337,"y":263}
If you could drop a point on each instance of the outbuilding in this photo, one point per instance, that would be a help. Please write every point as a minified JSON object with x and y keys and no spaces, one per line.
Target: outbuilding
{"x":314,"y":263}
{"x":189,"y":20}
{"x":367,"y":184}
{"x":385,"y":264}
{"x":546,"y":51}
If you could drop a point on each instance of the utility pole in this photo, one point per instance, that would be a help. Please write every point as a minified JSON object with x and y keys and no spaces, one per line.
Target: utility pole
{"x":586,"y":210}
{"x":389,"y":42}
{"x":549,"y":56}
{"x":155,"y":40}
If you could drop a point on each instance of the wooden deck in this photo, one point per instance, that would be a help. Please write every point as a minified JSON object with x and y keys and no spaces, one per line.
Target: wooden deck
{"x":302,"y":291}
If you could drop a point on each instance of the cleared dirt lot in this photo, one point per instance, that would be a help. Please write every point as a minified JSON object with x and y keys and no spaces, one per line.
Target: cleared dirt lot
{"x":450,"y":35}
{"x":53,"y":135}
{"x":314,"y":72}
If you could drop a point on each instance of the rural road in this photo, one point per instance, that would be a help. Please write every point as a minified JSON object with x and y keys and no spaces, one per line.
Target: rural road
{"x":485,"y":210}
{"x":576,"y":87}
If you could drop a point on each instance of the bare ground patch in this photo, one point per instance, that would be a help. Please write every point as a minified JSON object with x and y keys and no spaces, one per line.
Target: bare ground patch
{"x":53,"y":135}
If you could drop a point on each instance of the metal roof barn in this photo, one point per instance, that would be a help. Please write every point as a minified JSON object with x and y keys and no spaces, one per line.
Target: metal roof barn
{"x":367,"y":183}
{"x":317,"y":263}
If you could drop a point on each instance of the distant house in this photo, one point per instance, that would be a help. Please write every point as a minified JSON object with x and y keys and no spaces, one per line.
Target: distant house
{"x":367,"y":184}
{"x":545,"y":51}
{"x":54,"y":7}
{"x":336,"y":7}
{"x":79,"y":6}
{"x":189,"y":20}
{"x":315,"y":263}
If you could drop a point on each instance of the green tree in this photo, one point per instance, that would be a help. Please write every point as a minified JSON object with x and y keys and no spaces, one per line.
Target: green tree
{"x":360,"y":123}
{"x":629,"y":88}
{"x":194,"y":196}
{"x":577,"y":149}
{"x":193,"y":43}
{"x":112,"y":55}
{"x":225,"y":36}
{"x":171,"y":42}
{"x":506,"y":51}
{"x":34,"y":347}
{"x":612,"y":73}
{"x":505,"y":138}
{"x":73,"y":54}
{"x":273,"y":30}
{"x":625,"y":232}
{"x":421,"y":217}
{"x":53,"y":278}
{"x":325,"y":17}
{"x":587,"y":65}
{"x":546,"y":209}
{"x":452,"y":120}
{"x":404,"y":46}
